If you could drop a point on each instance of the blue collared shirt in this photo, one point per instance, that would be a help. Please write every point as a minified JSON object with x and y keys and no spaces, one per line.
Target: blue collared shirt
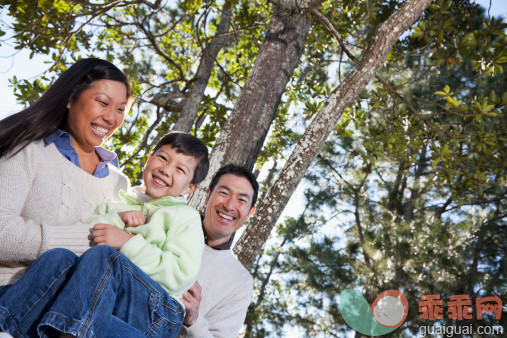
{"x":63,"y":143}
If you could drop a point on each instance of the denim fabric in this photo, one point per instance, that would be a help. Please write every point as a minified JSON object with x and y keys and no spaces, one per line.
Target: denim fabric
{"x":23,"y":303}
{"x":103,"y":295}
{"x":3,"y":289}
{"x":105,"y":282}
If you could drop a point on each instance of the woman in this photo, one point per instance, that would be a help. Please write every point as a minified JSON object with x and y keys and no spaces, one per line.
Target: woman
{"x":53,"y":172}
{"x":53,"y":175}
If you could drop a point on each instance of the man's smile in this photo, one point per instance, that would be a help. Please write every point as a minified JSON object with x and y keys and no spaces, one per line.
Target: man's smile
{"x":227,"y":217}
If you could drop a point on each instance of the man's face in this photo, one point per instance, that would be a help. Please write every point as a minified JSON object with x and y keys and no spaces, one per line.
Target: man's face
{"x":228,"y":207}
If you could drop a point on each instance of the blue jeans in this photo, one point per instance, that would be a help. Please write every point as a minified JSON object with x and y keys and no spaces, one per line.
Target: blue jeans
{"x":100,"y":294}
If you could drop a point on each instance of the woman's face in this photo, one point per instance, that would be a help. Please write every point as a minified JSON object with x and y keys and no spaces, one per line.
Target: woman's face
{"x":96,"y":113}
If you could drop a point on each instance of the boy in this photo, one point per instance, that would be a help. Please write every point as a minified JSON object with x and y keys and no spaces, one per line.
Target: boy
{"x":168,"y":247}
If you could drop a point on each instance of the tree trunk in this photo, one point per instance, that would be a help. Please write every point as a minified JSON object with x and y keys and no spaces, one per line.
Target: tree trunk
{"x":242,"y":137}
{"x":269,"y":211}
{"x":188,"y":107}
{"x":194,"y":98}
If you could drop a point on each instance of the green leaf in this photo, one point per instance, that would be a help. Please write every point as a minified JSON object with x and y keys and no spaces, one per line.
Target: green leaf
{"x":435,"y":162}
{"x":468,"y":40}
{"x":493,"y":114}
{"x":492,"y":96}
{"x":503,"y":59}
{"x":417,"y":34}
{"x":488,"y":108}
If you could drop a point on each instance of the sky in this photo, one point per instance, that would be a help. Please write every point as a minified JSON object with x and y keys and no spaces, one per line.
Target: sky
{"x":17,"y":63}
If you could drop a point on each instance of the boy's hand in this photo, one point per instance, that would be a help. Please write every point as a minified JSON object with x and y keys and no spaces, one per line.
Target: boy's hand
{"x":132,"y":218}
{"x":107,"y":234}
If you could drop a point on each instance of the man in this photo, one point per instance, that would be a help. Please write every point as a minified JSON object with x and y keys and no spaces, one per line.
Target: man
{"x":216,"y":305}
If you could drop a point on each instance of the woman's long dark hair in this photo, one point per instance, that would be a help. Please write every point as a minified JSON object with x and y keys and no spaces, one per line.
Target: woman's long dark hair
{"x":49,"y":112}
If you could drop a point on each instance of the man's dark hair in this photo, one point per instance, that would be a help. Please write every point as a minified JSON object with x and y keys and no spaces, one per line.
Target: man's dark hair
{"x":189,"y":145}
{"x":239,"y":171}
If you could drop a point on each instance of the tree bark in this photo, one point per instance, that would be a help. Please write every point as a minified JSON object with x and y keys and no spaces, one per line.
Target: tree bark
{"x":242,"y":137}
{"x":195,"y":95}
{"x":261,"y":224}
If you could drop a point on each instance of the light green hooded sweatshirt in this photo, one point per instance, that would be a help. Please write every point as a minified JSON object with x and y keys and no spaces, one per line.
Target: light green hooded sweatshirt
{"x":168,"y":247}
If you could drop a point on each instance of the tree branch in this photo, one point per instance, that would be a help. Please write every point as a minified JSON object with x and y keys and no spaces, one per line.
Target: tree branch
{"x":157,"y":49}
{"x":323,"y":123}
{"x":325,"y":21}
{"x":144,"y":142}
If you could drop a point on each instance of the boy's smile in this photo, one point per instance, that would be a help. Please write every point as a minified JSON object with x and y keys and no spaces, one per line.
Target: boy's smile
{"x":169,"y":173}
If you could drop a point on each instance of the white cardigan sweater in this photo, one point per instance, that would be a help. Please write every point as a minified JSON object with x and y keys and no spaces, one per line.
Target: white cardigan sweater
{"x":44,"y":202}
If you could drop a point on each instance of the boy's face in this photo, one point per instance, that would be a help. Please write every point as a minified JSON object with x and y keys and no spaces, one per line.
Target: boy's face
{"x":169,"y":173}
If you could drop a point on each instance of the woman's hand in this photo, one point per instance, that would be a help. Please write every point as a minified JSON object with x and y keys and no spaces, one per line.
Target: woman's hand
{"x":107,"y":234}
{"x":132,"y":218}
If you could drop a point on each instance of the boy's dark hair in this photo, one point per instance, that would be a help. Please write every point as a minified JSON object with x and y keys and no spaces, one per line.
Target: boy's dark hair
{"x":239,"y":171}
{"x":189,"y":145}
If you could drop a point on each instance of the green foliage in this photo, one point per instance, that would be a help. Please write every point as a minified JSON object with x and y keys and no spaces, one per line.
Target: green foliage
{"x":410,"y":188}
{"x":158,"y":48}
{"x":467,"y":118}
